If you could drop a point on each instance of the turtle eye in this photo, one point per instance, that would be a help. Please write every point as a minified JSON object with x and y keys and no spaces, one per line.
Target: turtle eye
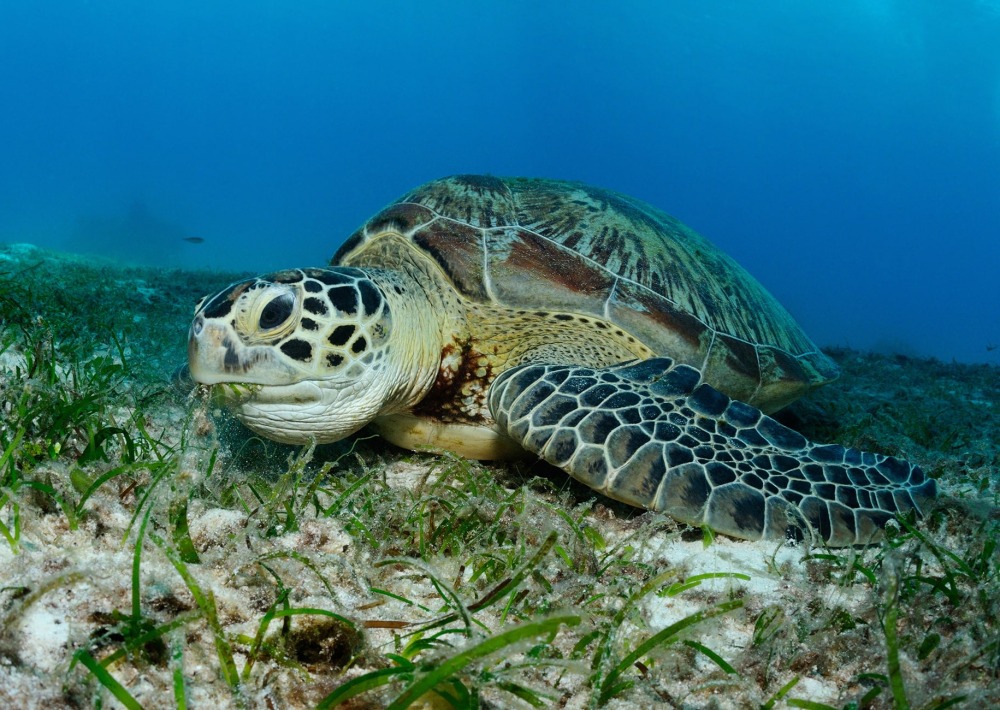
{"x":277,"y":311}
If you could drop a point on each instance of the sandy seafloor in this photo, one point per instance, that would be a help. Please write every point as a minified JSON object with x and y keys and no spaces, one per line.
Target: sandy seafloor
{"x":61,"y":586}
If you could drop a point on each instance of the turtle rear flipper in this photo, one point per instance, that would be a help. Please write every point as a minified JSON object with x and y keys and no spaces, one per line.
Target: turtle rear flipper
{"x":651,"y":434}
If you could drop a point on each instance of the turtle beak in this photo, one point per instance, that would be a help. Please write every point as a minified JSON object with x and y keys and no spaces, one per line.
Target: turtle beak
{"x":217,"y":355}
{"x":213,"y":353}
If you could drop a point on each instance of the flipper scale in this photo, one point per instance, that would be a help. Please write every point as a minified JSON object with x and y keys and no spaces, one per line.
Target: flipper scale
{"x":665,"y":441}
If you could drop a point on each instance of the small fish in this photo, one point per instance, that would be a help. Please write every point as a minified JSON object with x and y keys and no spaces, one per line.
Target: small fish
{"x":194,"y":240}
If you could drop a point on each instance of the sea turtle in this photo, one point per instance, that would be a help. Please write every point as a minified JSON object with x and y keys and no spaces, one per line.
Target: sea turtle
{"x":489,"y":316}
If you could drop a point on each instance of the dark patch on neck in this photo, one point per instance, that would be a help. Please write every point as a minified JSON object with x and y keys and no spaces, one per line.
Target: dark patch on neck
{"x":444,"y":401}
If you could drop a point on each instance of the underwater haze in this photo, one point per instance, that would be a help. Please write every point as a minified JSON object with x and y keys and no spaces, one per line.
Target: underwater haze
{"x":846,"y":152}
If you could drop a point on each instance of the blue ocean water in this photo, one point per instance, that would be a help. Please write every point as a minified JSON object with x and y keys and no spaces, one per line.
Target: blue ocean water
{"x":847,"y":153}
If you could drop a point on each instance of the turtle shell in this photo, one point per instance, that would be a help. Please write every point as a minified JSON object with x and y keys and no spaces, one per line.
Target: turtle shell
{"x":564,"y":246}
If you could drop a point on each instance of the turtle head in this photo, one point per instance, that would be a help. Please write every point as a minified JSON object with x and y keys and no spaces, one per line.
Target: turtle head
{"x":299,"y":355}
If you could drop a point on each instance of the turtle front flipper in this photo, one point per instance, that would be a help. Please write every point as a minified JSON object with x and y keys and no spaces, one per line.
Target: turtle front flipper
{"x":652,"y":435}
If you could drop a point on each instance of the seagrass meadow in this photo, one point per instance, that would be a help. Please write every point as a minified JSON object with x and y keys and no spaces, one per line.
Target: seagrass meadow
{"x":154,"y":553}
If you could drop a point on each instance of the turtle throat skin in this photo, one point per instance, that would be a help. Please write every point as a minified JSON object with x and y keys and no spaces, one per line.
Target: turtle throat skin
{"x":313,"y":355}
